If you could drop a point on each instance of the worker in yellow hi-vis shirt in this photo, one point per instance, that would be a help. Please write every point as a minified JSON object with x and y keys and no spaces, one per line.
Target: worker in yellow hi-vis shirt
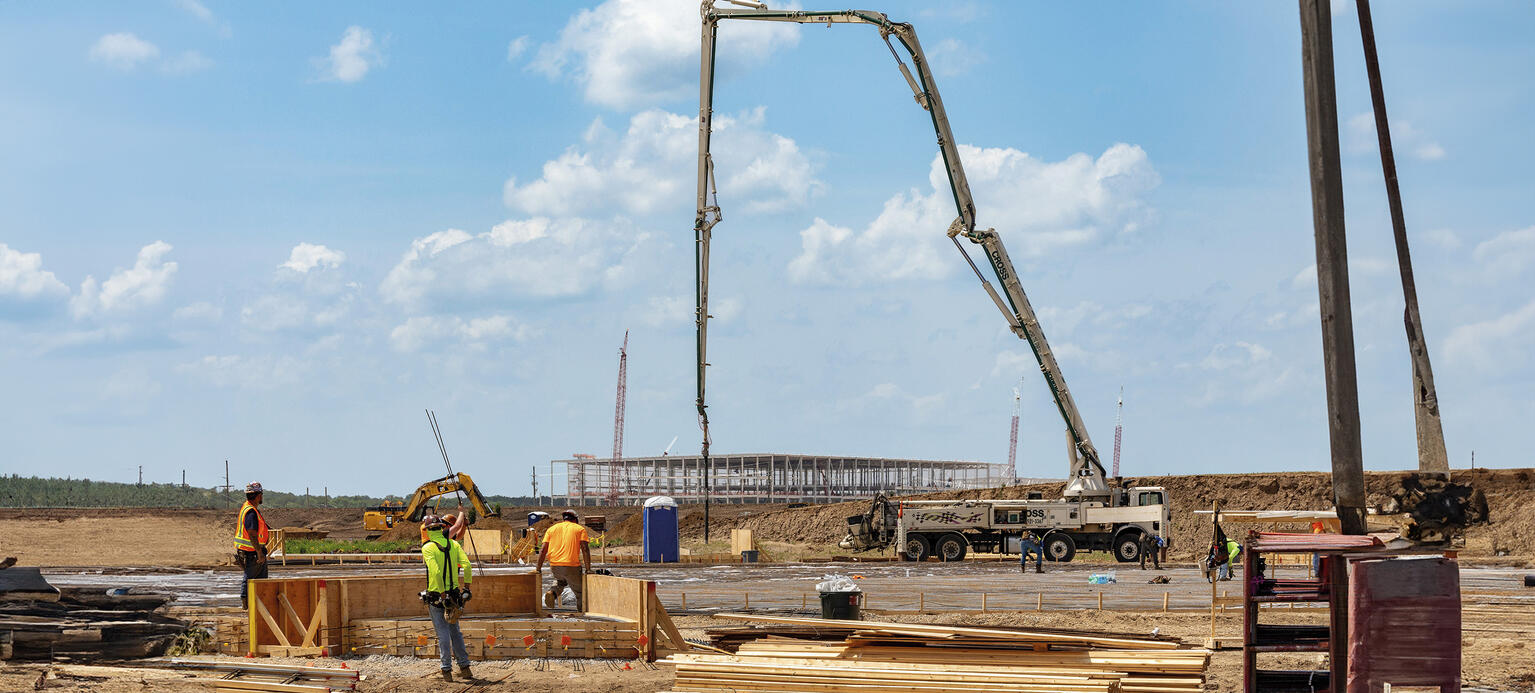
{"x":569,"y":557}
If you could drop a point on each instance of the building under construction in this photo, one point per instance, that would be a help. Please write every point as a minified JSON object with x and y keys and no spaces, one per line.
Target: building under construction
{"x":767,"y":478}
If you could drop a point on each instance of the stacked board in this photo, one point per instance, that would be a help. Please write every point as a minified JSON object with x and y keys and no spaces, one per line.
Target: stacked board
{"x":873,"y":656}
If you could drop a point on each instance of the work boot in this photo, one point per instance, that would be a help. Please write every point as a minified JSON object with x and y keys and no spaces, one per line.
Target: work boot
{"x":1039,"y":569}
{"x":447,"y":675}
{"x":463,"y":672}
{"x":1023,"y":568}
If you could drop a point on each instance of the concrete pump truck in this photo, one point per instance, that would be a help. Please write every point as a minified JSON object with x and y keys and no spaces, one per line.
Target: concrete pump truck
{"x":1092,"y":515}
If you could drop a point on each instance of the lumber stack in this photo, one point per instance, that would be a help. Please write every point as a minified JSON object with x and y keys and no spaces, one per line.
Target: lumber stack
{"x":251,"y":677}
{"x":873,"y":656}
{"x":76,"y":623}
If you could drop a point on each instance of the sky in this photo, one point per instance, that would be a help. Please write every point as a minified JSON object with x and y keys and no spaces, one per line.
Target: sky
{"x":275,"y":234}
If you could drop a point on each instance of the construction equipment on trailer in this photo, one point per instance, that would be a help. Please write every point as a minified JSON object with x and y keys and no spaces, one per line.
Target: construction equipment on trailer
{"x":381,"y":518}
{"x":451,"y":483}
{"x":1088,"y":479}
{"x":949,"y":529}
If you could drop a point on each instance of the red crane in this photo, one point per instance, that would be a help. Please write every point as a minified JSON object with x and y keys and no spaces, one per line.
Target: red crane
{"x":618,"y":425}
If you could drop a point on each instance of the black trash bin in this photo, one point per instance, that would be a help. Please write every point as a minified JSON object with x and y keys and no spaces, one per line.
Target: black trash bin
{"x":841,"y":605}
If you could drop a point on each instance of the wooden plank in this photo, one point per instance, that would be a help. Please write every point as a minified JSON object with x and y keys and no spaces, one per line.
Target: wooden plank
{"x":293,"y":616}
{"x":619,"y":598}
{"x":950,"y":631}
{"x":271,"y":623}
{"x":316,"y":618}
{"x":264,"y":686}
{"x":667,"y":627}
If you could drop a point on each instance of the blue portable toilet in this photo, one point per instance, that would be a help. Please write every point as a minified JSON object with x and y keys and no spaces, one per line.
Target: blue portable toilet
{"x":662,"y":540}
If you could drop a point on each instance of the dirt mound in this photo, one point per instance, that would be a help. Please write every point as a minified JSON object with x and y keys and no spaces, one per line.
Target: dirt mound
{"x":1508,"y":491}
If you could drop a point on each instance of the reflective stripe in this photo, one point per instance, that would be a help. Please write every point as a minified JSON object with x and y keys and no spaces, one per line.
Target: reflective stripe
{"x":243,"y":542}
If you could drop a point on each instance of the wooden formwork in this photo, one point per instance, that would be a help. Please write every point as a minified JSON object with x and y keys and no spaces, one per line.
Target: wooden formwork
{"x":384,"y":615}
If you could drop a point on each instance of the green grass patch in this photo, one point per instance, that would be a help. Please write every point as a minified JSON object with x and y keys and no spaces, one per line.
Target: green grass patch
{"x":350,"y":546}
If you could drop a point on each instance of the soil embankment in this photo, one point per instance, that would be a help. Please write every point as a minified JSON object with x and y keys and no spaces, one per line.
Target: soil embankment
{"x":113,"y":537}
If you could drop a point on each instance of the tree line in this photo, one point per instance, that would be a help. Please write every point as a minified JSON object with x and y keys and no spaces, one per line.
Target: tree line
{"x":18,"y":491}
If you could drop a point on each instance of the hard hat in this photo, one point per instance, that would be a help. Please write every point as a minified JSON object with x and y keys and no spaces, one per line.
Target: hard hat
{"x":253,"y":487}
{"x":569,"y":514}
{"x":432,"y":522}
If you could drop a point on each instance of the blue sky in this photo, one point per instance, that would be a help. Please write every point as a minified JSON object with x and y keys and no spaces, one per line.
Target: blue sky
{"x":275,"y":234}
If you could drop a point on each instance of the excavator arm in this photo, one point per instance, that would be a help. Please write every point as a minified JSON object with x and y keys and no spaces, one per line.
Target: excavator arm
{"x":1088,"y":476}
{"x":417,"y":507}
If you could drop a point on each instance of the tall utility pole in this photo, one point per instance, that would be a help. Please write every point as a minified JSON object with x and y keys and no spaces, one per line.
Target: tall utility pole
{"x":141,"y":475}
{"x":183,"y":478}
{"x":1431,"y":453}
{"x":614,"y":494}
{"x":1119,"y":428}
{"x":1012,"y":439}
{"x":534,"y":473}
{"x":1332,"y":264}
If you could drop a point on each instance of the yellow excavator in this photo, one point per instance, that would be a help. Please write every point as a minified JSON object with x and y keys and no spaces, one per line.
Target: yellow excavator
{"x":384,"y":517}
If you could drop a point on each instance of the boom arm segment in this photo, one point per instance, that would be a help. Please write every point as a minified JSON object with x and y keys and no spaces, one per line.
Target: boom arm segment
{"x":1088,"y":476}
{"x":448,"y":484}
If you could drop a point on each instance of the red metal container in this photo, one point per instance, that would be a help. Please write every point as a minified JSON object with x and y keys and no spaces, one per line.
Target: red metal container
{"x":1404,"y":624}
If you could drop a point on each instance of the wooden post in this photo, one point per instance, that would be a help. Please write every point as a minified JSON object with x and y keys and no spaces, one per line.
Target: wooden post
{"x":1431,"y":453}
{"x":1332,"y":264}
{"x":983,"y":602}
{"x":1039,"y":601}
{"x":684,"y":601}
{"x":1164,"y":601}
{"x":1100,"y":601}
{"x":748,"y":596}
{"x":921,"y":602}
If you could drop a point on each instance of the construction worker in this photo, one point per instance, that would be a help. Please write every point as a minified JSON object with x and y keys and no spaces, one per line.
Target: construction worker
{"x":251,"y":538}
{"x":1031,"y":544}
{"x":1151,"y":547}
{"x":1233,"y":550}
{"x":446,"y":593}
{"x":569,"y":555}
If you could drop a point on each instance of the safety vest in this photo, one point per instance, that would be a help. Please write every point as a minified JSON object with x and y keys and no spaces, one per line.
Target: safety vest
{"x":242,"y":540}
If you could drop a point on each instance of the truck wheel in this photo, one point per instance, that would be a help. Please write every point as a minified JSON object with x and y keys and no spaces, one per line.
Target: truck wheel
{"x":917,"y":548}
{"x":951,"y":547}
{"x":1127,"y":548}
{"x":1060,"y":548}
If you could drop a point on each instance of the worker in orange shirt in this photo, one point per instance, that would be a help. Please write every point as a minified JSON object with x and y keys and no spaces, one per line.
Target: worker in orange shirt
{"x":251,"y":537}
{"x":569,"y":556}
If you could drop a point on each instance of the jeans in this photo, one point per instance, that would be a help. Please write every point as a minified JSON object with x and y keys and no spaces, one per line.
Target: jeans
{"x":253,"y":571}
{"x":1224,"y":572}
{"x":448,"y":635}
{"x":1039,"y":555}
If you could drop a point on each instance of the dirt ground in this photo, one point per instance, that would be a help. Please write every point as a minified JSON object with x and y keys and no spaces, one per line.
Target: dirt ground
{"x":1493,"y":664}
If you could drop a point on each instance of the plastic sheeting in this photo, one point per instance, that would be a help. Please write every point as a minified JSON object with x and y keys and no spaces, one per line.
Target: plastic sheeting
{"x":1404,"y":624}
{"x":837,"y":583}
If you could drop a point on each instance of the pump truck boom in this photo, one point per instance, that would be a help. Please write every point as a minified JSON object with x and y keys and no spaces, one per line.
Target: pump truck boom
{"x":1088,"y":480}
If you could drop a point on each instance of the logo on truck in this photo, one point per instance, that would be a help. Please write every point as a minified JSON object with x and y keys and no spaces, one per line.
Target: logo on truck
{"x":949,"y":517}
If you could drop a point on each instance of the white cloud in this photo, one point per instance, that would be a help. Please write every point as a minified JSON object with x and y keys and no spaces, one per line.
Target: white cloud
{"x":631,"y":53}
{"x":23,"y":279}
{"x":201,"y":310}
{"x":351,"y":58}
{"x":307,"y":256}
{"x":951,"y":57}
{"x":516,"y":48}
{"x":885,"y":395}
{"x":1241,"y":354}
{"x":1501,"y":344}
{"x":1507,"y":253}
{"x":1444,"y":238}
{"x":187,"y":62}
{"x":196,"y":9}
{"x":650,"y":167}
{"x":420,"y":332}
{"x":526,"y":258}
{"x":123,"y":51}
{"x":1357,"y":268}
{"x":660,"y":311}
{"x":248,"y":373}
{"x":1011,"y":363}
{"x":142,"y":285}
{"x":1038,"y":207}
{"x":1404,"y":138}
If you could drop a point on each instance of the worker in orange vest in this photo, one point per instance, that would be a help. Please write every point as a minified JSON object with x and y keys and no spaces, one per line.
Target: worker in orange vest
{"x":251,"y":541}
